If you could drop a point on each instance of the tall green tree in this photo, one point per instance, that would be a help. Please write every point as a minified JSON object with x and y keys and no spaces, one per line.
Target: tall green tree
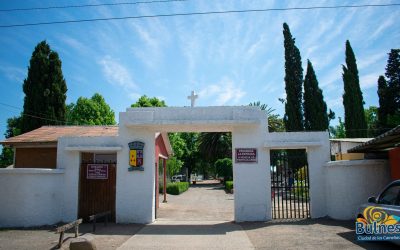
{"x":293,"y":83}
{"x":145,"y":101}
{"x":384,"y":104}
{"x":45,"y":90}
{"x":315,"y":110}
{"x":354,"y":118}
{"x":13,"y":129}
{"x":90,"y":111}
{"x":389,"y":93}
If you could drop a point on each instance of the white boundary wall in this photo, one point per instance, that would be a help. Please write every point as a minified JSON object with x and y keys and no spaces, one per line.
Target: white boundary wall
{"x":350,"y":183}
{"x":57,"y":194}
{"x":30,"y":197}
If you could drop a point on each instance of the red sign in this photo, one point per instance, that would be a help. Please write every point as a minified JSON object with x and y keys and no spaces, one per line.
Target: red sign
{"x":246,"y":155}
{"x":97,"y":171}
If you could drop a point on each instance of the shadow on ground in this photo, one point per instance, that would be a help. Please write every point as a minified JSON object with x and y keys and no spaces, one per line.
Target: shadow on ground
{"x":331,"y":234}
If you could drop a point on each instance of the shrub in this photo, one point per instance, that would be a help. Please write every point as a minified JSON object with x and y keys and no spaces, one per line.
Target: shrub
{"x":224,"y":168}
{"x":229,"y":185}
{"x":176,"y":188}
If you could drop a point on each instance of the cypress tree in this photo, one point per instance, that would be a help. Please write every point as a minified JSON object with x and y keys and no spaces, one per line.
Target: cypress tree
{"x":294,"y":87}
{"x":389,"y":93}
{"x":315,"y":110}
{"x":383,"y":104}
{"x":355,"y":123}
{"x":45,"y":90}
{"x":293,"y":83}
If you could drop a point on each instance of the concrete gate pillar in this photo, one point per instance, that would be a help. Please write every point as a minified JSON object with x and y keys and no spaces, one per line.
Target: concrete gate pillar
{"x":135,"y":190}
{"x":252,"y":182}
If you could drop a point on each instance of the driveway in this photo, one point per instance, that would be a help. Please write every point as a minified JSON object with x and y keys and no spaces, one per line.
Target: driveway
{"x":206,"y":201}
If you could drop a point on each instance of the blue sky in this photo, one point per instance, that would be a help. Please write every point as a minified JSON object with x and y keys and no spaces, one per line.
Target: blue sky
{"x":231,"y":59}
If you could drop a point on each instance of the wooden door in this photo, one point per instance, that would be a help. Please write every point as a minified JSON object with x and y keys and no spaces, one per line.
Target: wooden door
{"x":96,"y":195}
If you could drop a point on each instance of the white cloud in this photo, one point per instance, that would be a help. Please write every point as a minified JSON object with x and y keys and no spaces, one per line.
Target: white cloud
{"x":387,"y":23}
{"x":370,"y":60}
{"x":223,"y":92}
{"x":117,"y":74}
{"x":13,"y":73}
{"x":74,"y":43}
{"x":369,"y":81}
{"x":134,"y":96}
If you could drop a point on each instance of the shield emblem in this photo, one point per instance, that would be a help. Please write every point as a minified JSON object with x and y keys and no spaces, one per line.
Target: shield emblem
{"x":136,"y":153}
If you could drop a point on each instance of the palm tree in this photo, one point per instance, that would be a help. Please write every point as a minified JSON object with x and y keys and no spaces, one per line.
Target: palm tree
{"x":213,"y":146}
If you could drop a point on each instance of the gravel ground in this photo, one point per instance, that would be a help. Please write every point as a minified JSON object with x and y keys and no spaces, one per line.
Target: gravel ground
{"x":110,"y":237}
{"x":308,"y":234}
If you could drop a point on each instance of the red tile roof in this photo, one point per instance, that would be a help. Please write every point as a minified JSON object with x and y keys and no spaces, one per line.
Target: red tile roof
{"x":50,"y":134}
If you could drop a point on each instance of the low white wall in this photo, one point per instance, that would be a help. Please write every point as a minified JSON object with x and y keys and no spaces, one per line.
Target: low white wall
{"x":30,"y":197}
{"x":350,"y":183}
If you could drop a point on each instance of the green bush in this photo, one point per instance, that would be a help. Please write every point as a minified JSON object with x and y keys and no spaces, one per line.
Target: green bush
{"x":229,"y":185}
{"x":176,"y":188}
{"x":224,"y":168}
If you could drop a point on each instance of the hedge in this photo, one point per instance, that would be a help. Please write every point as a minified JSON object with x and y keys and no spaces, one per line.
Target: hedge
{"x":229,"y":185}
{"x":176,"y":188}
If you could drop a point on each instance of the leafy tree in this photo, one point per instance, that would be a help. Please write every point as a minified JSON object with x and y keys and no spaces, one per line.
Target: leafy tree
{"x":293,"y":83}
{"x":93,"y":111}
{"x":45,"y":90}
{"x":315,"y":116}
{"x":355,"y":123}
{"x":371,"y":116}
{"x":178,"y":144}
{"x":191,"y":153}
{"x":145,"y":101}
{"x":174,"y":166}
{"x":13,"y":129}
{"x":275,"y":123}
{"x":224,"y":168}
{"x":389,"y":93}
{"x":393,"y":77}
{"x":338,"y":131}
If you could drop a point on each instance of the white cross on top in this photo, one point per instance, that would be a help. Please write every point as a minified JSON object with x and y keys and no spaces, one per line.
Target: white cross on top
{"x":192,"y":98}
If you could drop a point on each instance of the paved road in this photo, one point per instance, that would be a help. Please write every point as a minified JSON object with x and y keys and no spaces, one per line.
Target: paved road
{"x":200,"y":218}
{"x":203,"y":202}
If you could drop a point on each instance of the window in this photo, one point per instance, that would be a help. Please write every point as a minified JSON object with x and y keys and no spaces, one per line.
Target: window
{"x":390,"y":196}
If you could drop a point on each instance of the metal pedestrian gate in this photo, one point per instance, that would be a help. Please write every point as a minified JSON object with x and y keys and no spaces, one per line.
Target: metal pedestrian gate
{"x":290,"y":184}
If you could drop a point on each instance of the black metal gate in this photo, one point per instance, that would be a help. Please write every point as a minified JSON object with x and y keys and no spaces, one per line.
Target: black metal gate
{"x":290,"y":184}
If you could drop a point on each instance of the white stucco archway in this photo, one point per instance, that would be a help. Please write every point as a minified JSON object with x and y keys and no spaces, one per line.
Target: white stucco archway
{"x":135,"y":190}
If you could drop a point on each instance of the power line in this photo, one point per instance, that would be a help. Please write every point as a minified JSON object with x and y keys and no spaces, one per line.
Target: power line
{"x":36,"y":116}
{"x":199,"y":13}
{"x":89,"y":5}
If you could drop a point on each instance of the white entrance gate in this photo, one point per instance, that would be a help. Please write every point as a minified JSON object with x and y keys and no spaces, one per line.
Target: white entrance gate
{"x":252,"y":197}
{"x":135,"y":190}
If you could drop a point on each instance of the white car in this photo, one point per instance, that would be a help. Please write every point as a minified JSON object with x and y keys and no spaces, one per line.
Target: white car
{"x":178,"y":178}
